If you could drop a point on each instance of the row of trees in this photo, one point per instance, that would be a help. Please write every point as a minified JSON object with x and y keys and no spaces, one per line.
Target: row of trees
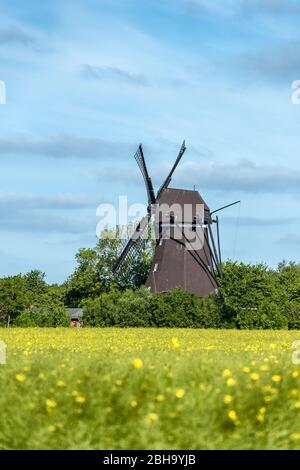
{"x":252,"y":296}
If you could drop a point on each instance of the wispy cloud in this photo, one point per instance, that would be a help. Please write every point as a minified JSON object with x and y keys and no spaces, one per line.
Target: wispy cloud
{"x":277,"y":63}
{"x":245,"y":8}
{"x":28,"y":213}
{"x":243,"y":176}
{"x":290,"y":239}
{"x":269,"y":7}
{"x":45,"y":224}
{"x":15,"y":35}
{"x":19,"y":201}
{"x":64,"y":146}
{"x":112,"y":74}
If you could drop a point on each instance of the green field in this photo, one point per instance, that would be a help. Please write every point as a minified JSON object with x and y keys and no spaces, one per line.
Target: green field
{"x":149,"y":389}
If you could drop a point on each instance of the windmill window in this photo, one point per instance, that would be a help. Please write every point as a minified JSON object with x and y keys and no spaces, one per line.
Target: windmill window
{"x":159,"y":229}
{"x":155,"y":267}
{"x":172,"y":218}
{"x":194,"y":224}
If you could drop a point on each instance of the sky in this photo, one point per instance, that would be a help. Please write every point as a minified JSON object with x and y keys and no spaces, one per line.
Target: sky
{"x":88,"y":80}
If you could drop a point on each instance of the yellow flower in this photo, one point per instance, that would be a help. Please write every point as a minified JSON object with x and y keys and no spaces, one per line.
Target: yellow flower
{"x":231,"y":382}
{"x":227,"y":373}
{"x":80,"y":399}
{"x":20,"y":377}
{"x":276,"y":378}
{"x":160,"y":397}
{"x":254,"y":376}
{"x":51,"y":403}
{"x":233,"y":417}
{"x":60,"y":384}
{"x":295,"y":374}
{"x":137,"y":363}
{"x":294,"y":393}
{"x":262,"y":410}
{"x":295,"y":436}
{"x":41,"y":376}
{"x":268,"y":389}
{"x":134,"y":403}
{"x":152,"y":416}
{"x":175,"y":343}
{"x":264,"y":368}
{"x":297,"y":405}
{"x":179,"y":393}
{"x":268,"y":399}
{"x":51,"y":428}
{"x":227,"y":399}
{"x":260,"y":418}
{"x":246,"y":370}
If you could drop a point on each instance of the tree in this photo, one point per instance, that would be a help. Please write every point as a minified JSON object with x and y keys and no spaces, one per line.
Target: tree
{"x":287,"y":281}
{"x":36,"y":283}
{"x":244,"y":286}
{"x":14,"y":297}
{"x":93,"y":274}
{"x":267,"y":316}
{"x":23,"y":292}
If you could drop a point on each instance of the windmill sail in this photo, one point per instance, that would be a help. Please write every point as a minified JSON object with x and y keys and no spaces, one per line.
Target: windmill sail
{"x":139,"y":157}
{"x":169,"y":177}
{"x":132,"y":245}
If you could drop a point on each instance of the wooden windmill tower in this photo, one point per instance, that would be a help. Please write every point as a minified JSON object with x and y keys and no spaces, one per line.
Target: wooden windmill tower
{"x":186,"y":253}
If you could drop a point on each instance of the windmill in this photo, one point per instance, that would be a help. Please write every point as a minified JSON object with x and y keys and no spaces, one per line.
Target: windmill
{"x":186,"y":253}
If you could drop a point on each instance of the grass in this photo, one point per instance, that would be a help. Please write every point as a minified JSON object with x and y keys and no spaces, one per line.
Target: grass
{"x":149,"y":389}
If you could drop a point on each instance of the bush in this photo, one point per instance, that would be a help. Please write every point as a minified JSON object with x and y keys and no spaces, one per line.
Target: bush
{"x":101,"y":311}
{"x":267,"y":316}
{"x":140,"y":308}
{"x":125,"y":309}
{"x":180,"y":309}
{"x":134,"y":309}
{"x":51,"y":318}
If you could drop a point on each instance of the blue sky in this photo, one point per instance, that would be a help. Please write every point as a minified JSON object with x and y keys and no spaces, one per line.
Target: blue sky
{"x":87,"y":81}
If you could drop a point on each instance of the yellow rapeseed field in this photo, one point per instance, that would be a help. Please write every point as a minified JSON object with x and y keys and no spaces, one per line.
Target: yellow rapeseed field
{"x":149,"y":389}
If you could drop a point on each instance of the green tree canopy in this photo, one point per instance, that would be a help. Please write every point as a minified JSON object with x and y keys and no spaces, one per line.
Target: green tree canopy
{"x":93,"y":274}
